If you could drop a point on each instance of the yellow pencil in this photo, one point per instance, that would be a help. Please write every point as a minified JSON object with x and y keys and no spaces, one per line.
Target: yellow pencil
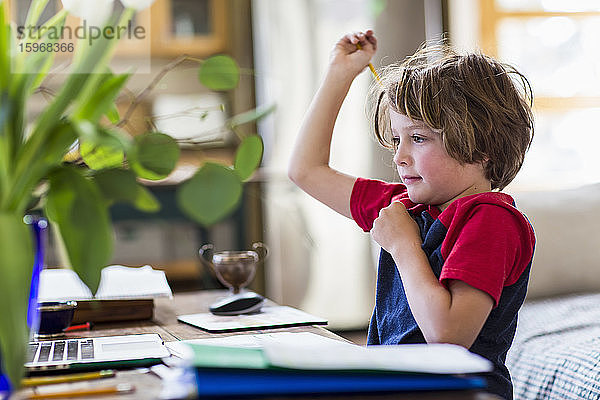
{"x":358,"y":46}
{"x":49,"y":380}
{"x":121,"y":388}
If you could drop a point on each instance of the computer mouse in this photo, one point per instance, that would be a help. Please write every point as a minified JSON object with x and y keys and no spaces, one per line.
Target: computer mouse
{"x":237,"y":304}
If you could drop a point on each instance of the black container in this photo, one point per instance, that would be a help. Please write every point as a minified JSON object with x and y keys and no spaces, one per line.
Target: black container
{"x":55,"y":316}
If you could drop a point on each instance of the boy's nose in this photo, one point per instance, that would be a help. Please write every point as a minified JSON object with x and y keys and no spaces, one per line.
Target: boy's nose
{"x":401,"y":156}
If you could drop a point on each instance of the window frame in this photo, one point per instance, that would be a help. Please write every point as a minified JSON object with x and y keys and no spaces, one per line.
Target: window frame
{"x":490,"y":17}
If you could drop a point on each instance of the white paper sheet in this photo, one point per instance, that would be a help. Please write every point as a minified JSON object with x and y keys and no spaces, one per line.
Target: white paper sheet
{"x":255,"y":341}
{"x":269,"y":317}
{"x":422,"y":358}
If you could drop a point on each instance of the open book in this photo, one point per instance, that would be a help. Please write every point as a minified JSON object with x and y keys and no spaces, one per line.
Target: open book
{"x":124,"y":293}
{"x":116,"y":282}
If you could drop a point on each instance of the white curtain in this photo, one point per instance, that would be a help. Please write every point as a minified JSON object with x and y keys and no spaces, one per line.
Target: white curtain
{"x":320,"y":261}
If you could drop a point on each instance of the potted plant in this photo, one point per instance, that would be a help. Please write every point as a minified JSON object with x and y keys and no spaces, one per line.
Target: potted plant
{"x":37,"y":169}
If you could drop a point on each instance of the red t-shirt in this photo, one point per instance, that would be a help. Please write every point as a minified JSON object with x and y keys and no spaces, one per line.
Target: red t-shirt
{"x":488,"y":243}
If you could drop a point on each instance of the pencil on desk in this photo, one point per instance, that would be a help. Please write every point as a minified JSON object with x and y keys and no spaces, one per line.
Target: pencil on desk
{"x":121,"y":388}
{"x":49,"y":380}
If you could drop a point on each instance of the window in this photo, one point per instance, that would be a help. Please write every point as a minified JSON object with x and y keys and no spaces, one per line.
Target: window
{"x":197,"y":27}
{"x":555,"y":44}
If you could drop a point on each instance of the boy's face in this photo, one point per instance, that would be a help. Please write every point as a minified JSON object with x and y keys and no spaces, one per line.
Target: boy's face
{"x":431,"y":176}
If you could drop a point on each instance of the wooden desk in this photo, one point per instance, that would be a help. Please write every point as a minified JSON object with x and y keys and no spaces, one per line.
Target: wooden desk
{"x":148,"y":386}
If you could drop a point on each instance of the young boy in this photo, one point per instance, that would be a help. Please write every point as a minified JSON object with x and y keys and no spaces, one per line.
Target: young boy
{"x":455,"y":255}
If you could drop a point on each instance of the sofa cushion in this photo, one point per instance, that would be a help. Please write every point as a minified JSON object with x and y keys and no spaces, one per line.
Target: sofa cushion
{"x":567,"y":228}
{"x":555,"y":353}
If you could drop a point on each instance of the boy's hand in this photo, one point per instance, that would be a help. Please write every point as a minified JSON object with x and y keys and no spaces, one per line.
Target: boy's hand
{"x":395,"y":230}
{"x":347,"y":58}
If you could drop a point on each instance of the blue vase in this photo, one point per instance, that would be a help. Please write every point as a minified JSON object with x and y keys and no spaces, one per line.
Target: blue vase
{"x":38,"y":226}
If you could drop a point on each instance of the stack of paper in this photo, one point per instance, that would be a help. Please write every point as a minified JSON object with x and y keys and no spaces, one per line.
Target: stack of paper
{"x":305,"y":363}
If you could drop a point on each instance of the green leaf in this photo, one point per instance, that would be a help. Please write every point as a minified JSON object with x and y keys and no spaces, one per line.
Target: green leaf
{"x":6,"y":105}
{"x":62,"y":136}
{"x":145,"y":200}
{"x":211,"y":194}
{"x":27,"y":72}
{"x":154,"y":155}
{"x":5,"y":40}
{"x":93,"y":60}
{"x":16,"y":264}
{"x":219,"y":73}
{"x":117,"y":184}
{"x":100,"y":147}
{"x":100,"y":99}
{"x":60,"y":141}
{"x":108,"y":154}
{"x":120,"y":185}
{"x":251,"y":116}
{"x":32,"y":67}
{"x":248,"y":156}
{"x":113,"y":114}
{"x":86,"y":131}
{"x":75,"y":206}
{"x":35,"y":12}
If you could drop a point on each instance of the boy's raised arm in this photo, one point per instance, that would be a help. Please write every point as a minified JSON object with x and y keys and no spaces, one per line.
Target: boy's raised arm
{"x":309,"y":165}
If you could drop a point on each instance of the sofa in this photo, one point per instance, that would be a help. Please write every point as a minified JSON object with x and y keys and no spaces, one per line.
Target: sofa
{"x":556,"y":351}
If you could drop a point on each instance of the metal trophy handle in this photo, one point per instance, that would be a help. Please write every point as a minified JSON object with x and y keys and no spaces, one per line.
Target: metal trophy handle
{"x":206,"y":254}
{"x":261,"y":250}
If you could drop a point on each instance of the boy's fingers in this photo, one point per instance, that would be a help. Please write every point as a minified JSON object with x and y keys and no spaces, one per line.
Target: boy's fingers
{"x":373,"y":42}
{"x":360,"y":39}
{"x":355,"y":37}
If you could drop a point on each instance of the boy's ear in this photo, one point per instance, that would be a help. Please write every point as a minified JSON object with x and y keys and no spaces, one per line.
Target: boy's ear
{"x":484,"y":161}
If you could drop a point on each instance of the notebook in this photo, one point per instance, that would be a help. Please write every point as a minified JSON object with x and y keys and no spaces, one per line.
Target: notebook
{"x":291,"y":363}
{"x":95,"y":353}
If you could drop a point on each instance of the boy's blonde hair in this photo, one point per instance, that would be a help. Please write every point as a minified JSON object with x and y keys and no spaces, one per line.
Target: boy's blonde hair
{"x":480,"y":106}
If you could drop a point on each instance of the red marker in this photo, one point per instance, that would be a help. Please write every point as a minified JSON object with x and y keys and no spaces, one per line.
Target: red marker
{"x":83,"y":327}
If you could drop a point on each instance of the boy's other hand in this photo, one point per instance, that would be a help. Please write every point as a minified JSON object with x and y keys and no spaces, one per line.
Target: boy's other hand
{"x":348,"y":58}
{"x":395,"y":230}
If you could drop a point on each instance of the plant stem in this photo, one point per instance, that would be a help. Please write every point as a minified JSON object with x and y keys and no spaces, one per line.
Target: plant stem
{"x":138,"y":99}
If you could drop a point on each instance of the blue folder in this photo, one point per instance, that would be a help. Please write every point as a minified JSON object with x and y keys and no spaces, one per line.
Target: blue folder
{"x":240,"y":382}
{"x":226,"y":372}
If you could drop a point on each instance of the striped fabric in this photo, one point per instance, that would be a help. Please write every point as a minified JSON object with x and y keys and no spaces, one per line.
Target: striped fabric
{"x":556,"y":351}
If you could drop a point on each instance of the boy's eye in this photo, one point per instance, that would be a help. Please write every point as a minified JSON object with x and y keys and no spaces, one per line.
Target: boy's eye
{"x":395,"y":142}
{"x":417,"y":139}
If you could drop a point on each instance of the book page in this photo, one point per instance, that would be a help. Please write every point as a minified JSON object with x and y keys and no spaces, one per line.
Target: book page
{"x":116,"y":282}
{"x":120,"y":282}
{"x":61,"y":285}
